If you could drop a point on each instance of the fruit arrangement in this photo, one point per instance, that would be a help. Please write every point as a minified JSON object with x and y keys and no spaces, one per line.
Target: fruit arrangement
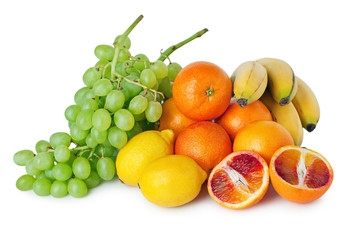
{"x":168,"y":129}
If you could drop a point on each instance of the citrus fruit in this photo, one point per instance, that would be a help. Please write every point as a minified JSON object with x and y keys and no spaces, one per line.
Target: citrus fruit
{"x":172,"y":180}
{"x":239,"y":181}
{"x":262,"y":137}
{"x":140,"y":151}
{"x":299,"y":174}
{"x":172,"y":118}
{"x":202,"y":91}
{"x":236,"y":117}
{"x":205,"y":142}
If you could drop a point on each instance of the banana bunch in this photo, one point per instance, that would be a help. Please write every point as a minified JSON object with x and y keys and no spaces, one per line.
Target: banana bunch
{"x":290,"y":100}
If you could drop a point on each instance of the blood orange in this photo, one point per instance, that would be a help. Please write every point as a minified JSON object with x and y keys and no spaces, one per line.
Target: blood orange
{"x":239,"y":181}
{"x":299,"y":174}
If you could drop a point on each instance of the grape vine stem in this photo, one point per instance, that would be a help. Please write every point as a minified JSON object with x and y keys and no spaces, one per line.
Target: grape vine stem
{"x":173,"y":48}
{"x":138,"y":84}
{"x":118,"y":45}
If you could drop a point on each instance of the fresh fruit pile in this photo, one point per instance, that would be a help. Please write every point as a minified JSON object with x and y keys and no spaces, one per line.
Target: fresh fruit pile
{"x":168,"y":129}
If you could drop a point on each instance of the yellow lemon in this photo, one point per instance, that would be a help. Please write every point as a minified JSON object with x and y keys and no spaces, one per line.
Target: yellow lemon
{"x":172,"y":180}
{"x":140,"y":151}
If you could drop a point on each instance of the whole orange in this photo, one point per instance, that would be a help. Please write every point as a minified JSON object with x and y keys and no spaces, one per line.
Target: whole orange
{"x":205,"y":142}
{"x":236,"y":117}
{"x":172,"y":118}
{"x":262,"y":137}
{"x":202,"y":91}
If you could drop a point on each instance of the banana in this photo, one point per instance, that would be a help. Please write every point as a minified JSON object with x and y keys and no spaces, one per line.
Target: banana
{"x":249,"y":82}
{"x":306,"y":105}
{"x":286,"y":116}
{"x":281,"y":80}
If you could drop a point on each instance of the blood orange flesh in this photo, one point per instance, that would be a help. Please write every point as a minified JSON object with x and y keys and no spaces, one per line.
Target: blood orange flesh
{"x":299,"y":174}
{"x":239,"y":181}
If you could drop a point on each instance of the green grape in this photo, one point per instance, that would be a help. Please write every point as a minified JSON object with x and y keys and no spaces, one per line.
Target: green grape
{"x":42,"y":186}
{"x":77,"y":188}
{"x":42,"y":146}
{"x":89,"y":104}
{"x":102,"y":87}
{"x":84,"y":119}
{"x":31,"y":169}
{"x":156,"y":86}
{"x":148,"y":94}
{"x":43,"y":161}
{"x":107,"y":143}
{"x":101,"y":120}
{"x":173,"y":69}
{"x":90,"y":141}
{"x":120,"y":69}
{"x":49,"y":174}
{"x":91,"y":76}
{"x":62,"y":153}
{"x":108,"y":150}
{"x":124,"y":119}
{"x":62,"y":172}
{"x":139,"y":117}
{"x":23,"y":156}
{"x":81,"y":142}
{"x":128,"y":64}
{"x":153,"y":111}
{"x":160,"y":69}
{"x":77,"y":134}
{"x":59,"y":189}
{"x":104,"y":52}
{"x":123,"y":55}
{"x":41,"y":175}
{"x":70,"y":124}
{"x":88,"y":95}
{"x":166,"y":87}
{"x":129,"y":67}
{"x":101,"y":63}
{"x":98,"y":136}
{"x":135,"y":130}
{"x":25,"y":182}
{"x":72,"y":156}
{"x":60,"y":138}
{"x":129,"y":89}
{"x":138,"y":104}
{"x":80,"y":95}
{"x":141,"y":62}
{"x":71,"y":112}
{"x":148,"y":78}
{"x":117,"y":137}
{"x":93,"y":180}
{"x":106,"y":168}
{"x":115,"y":100}
{"x":81,"y":168}
{"x":126,"y":43}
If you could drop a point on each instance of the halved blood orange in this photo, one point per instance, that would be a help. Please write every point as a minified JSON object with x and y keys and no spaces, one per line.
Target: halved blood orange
{"x":299,"y":174}
{"x":239,"y":181}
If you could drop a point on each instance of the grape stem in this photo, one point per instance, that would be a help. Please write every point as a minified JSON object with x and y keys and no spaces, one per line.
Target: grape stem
{"x":138,"y":84}
{"x":118,"y":45}
{"x":173,"y":48}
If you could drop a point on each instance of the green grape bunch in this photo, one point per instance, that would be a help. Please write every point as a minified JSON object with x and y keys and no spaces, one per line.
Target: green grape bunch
{"x":121,"y":98}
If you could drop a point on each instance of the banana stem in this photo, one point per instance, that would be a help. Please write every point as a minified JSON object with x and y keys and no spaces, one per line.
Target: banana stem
{"x":173,"y":48}
{"x":118,"y":45}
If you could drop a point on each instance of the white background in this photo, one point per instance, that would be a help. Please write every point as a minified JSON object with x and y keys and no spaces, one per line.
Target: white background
{"x":46,"y":46}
